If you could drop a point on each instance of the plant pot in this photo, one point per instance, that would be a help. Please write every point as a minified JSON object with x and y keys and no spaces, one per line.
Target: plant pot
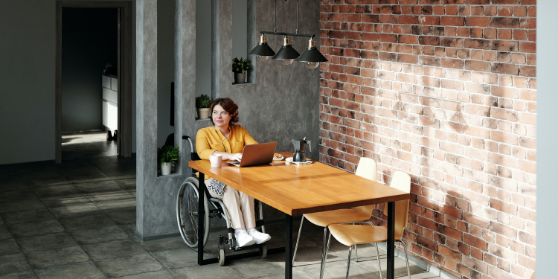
{"x":166,"y":168}
{"x":203,"y":113}
{"x":239,"y":77}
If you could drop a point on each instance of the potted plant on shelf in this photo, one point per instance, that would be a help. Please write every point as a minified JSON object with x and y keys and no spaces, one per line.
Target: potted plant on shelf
{"x":239,"y":68}
{"x":167,"y":155}
{"x":203,"y":103}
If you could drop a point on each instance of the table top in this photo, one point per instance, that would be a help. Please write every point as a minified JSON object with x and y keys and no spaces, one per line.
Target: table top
{"x":300,"y":189}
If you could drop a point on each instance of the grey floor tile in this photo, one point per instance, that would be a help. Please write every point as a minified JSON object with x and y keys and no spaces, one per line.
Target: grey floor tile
{"x":13,"y":263}
{"x":136,"y":264}
{"x":9,"y":247}
{"x":4,"y":233}
{"x":163,"y":274}
{"x":87,"y":222}
{"x":122,"y":217}
{"x":206,"y":272}
{"x":164,"y":244}
{"x":177,"y":258}
{"x":75,"y":210}
{"x":125,"y":204}
{"x":35,"y":228}
{"x":109,"y":196}
{"x":97,"y":187}
{"x":127,"y":184}
{"x":21,"y":205}
{"x":1,"y":221}
{"x":113,"y":249}
{"x":46,"y":242}
{"x":30,"y":216}
{"x":61,"y":201}
{"x":101,"y":234}
{"x":80,"y":270}
{"x":26,"y":274}
{"x":55,"y":190}
{"x":130,"y":229}
{"x":257,"y":268}
{"x":57,"y":257}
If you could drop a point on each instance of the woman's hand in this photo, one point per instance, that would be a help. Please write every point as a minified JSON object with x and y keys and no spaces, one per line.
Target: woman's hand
{"x":229,"y":156}
{"x":236,"y":156}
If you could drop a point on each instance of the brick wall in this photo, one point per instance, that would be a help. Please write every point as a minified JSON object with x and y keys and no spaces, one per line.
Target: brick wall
{"x":444,"y":90}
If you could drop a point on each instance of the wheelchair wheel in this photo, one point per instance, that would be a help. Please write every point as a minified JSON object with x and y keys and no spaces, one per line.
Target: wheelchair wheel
{"x":187,"y":204}
{"x":221,"y":257}
{"x":263,"y":251}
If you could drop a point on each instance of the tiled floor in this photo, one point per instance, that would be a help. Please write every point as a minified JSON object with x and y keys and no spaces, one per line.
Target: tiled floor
{"x":77,"y":220}
{"x":87,"y":145}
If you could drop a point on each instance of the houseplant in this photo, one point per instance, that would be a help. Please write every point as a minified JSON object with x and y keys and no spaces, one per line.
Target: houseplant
{"x":239,"y":68}
{"x":167,"y":155}
{"x":203,"y":103}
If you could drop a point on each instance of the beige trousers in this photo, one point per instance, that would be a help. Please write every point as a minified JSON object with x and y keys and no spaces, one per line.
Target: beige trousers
{"x":239,"y":206}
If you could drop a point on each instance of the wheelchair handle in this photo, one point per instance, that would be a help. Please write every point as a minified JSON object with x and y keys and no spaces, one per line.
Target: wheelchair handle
{"x":193,"y":155}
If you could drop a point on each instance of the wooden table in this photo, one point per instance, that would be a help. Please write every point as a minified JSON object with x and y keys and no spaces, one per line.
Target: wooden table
{"x":297,"y":190}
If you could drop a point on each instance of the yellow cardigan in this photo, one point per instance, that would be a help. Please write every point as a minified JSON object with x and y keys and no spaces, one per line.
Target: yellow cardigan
{"x":210,"y":139}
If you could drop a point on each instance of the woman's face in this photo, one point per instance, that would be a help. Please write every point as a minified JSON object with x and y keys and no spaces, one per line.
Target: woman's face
{"x":220,"y":117}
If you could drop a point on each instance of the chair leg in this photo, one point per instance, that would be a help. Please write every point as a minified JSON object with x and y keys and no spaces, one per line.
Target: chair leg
{"x":406,"y":259}
{"x":298,"y":238}
{"x":324,"y":258}
{"x":378,"y":260}
{"x":356,"y":251}
{"x":349,"y":262}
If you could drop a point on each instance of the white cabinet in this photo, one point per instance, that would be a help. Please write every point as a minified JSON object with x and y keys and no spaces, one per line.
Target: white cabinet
{"x":110,"y":102}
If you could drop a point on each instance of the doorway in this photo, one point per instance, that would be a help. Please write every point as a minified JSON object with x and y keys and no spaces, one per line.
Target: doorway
{"x":94,"y":102}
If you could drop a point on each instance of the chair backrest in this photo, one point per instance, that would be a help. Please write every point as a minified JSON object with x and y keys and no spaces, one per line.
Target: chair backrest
{"x":400,"y":181}
{"x":368,"y":169}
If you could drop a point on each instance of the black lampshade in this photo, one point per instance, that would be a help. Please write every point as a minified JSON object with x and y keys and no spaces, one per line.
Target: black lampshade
{"x":287,"y":51}
{"x":262,"y":49}
{"x":312,"y":54}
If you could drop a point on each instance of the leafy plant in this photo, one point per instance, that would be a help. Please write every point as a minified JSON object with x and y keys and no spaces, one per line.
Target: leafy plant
{"x":168,"y":154}
{"x":241,"y":66}
{"x":203,"y":101}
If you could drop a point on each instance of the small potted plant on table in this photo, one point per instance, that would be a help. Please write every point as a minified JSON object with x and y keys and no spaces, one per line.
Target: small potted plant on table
{"x":167,"y":155}
{"x":203,"y":103}
{"x":239,"y":68}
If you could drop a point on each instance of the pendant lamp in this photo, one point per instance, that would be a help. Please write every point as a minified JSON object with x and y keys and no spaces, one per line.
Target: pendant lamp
{"x":262,"y":50}
{"x":312,"y":56}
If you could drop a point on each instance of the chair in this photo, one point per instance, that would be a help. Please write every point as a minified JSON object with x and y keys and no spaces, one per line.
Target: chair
{"x":366,"y":168}
{"x":351,"y":235}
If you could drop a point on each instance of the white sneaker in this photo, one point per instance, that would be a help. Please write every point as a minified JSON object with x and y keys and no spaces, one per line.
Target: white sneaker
{"x":244,"y":239}
{"x":258,"y":236}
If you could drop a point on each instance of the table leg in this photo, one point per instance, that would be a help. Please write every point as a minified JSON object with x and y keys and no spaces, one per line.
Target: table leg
{"x":289,"y":248}
{"x":391,"y":241}
{"x":201,"y":214}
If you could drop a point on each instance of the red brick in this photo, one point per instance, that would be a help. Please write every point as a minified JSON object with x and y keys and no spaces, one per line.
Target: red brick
{"x":477,"y":65}
{"x":528,"y":47}
{"x":504,"y":22}
{"x":452,"y":21}
{"x":477,"y":21}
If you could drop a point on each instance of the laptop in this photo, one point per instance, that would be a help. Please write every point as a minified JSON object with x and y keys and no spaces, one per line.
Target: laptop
{"x":256,"y":154}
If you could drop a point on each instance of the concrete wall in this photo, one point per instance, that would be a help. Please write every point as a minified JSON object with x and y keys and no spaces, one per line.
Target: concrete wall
{"x":240,"y":28}
{"x":280,"y":106}
{"x":27,"y":94}
{"x":547,"y":98}
{"x":90,"y":41}
{"x":165,"y":67}
{"x":203,"y":47}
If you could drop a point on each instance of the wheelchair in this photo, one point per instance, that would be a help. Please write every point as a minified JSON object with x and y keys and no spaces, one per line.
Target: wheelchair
{"x":187,"y":203}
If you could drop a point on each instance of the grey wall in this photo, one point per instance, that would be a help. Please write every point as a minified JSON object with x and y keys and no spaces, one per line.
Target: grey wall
{"x":239,"y":28}
{"x":281,"y":105}
{"x":27,"y":55}
{"x":203,"y":47}
{"x":547,"y":133}
{"x":89,"y":42}
{"x":165,"y":66}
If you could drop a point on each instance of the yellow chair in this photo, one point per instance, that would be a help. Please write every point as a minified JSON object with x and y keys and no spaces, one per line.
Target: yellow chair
{"x":367,"y":168}
{"x":351,"y":235}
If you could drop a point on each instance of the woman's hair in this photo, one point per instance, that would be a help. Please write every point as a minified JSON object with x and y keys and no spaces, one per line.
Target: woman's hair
{"x":229,"y":106}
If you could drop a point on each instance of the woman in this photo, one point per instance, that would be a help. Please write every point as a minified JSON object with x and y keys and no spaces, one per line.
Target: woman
{"x":228,"y":139}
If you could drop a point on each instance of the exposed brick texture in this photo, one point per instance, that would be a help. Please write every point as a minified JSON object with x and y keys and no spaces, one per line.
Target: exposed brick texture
{"x":444,"y":90}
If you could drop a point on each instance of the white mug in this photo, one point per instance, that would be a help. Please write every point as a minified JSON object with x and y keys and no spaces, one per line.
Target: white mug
{"x":216,"y":160}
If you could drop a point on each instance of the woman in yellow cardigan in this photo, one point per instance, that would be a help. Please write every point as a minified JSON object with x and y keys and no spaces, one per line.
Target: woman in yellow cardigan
{"x":228,"y":139}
